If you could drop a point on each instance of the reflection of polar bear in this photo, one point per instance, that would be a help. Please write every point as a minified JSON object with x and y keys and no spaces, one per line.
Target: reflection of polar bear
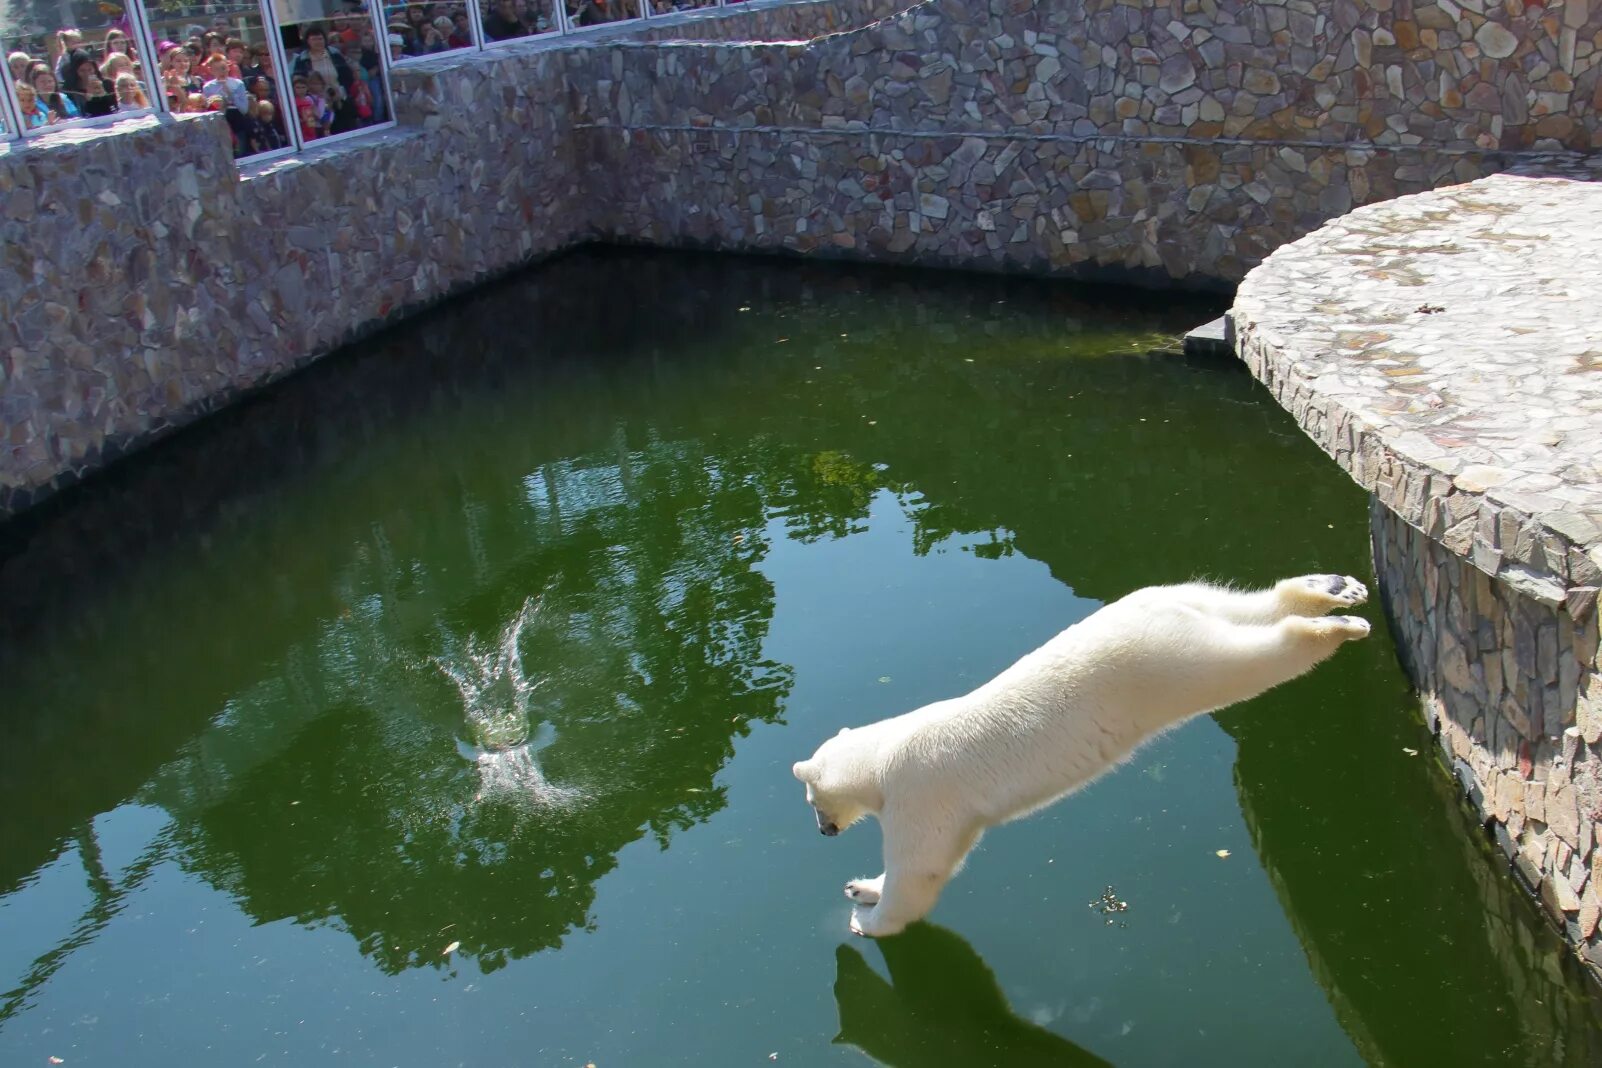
{"x":939,"y":776}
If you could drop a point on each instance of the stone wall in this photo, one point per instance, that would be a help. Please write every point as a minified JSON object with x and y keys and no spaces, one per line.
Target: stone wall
{"x":1442,"y":348}
{"x":1513,"y":687}
{"x":1173,"y":138}
{"x":1169,"y":141}
{"x":771,"y":20}
{"x":145,"y":282}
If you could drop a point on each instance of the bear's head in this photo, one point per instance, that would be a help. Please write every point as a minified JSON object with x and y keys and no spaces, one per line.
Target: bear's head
{"x":834,"y":782}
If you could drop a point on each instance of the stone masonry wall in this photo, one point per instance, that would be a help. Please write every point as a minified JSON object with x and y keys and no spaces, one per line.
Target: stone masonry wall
{"x":1178,"y":138}
{"x":143,"y":282}
{"x":1513,"y":686}
{"x":1440,"y":349}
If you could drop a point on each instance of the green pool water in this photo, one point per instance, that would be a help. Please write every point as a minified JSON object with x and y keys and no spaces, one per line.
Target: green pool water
{"x":437,"y":707}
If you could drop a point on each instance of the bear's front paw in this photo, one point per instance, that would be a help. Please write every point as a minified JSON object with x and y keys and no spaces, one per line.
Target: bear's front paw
{"x":870,"y":924}
{"x":865,"y":891}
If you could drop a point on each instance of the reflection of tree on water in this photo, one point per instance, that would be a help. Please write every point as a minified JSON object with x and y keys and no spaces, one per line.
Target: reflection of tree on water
{"x":335,"y":792}
{"x":940,"y":1007}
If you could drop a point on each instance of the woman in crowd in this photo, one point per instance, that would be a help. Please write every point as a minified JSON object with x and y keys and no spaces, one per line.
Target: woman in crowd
{"x":117,"y":41}
{"x":115,"y":65}
{"x":504,"y":23}
{"x":435,"y":35}
{"x":258,"y":64}
{"x":43,"y":80}
{"x":88,"y":92}
{"x":178,"y":75}
{"x":337,"y":76}
{"x":19,"y":62}
{"x":461,"y":33}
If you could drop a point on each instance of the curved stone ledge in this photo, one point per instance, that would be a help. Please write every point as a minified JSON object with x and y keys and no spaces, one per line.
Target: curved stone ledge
{"x":1445,"y":349}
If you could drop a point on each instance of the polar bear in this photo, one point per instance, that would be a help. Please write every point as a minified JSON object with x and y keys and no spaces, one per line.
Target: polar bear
{"x":939,"y":776}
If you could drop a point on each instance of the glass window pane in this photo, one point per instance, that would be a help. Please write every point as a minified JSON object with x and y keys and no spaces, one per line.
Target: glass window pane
{"x":215,"y":57}
{"x":427,"y":28}
{"x":66,"y":72}
{"x":600,"y":12}
{"x":336,"y":76}
{"x":507,"y":20}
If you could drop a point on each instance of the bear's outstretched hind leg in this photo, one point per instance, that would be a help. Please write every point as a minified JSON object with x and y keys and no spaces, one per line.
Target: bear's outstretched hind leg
{"x":1314,"y":595}
{"x":1305,"y":595}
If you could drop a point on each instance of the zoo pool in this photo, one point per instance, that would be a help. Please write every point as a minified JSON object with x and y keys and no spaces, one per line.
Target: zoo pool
{"x":437,"y":707}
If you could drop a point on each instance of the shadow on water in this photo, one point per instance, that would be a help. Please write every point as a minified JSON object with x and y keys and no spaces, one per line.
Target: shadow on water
{"x":940,"y":1006}
{"x":277,"y":627}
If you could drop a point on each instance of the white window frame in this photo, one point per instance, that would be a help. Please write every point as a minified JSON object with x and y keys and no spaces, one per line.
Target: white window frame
{"x":474,"y":29}
{"x":375,"y":11}
{"x":10,"y":112}
{"x":270,"y":32}
{"x":568,"y":28}
{"x":141,"y":37}
{"x":558,"y":14}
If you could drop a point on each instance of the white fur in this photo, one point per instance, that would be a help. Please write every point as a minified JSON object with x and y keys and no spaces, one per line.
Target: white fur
{"x":937,"y":777}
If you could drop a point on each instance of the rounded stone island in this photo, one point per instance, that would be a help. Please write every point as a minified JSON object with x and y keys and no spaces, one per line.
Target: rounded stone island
{"x":1446,"y":349}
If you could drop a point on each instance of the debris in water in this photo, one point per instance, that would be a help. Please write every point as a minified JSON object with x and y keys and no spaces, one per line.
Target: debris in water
{"x":884,"y":678}
{"x":1409,"y":751}
{"x":1110,"y":903}
{"x":452,"y":948}
{"x":1222,"y":853}
{"x":57,"y":1060}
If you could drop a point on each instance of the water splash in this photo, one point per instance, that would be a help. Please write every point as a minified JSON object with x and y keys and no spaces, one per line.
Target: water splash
{"x":497,"y":695}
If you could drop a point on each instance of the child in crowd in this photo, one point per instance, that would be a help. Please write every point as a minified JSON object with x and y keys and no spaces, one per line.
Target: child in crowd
{"x":318,"y":89}
{"x":34,"y":114}
{"x":262,"y":134}
{"x":361,"y":97}
{"x":313,"y":112}
{"x":228,"y":95}
{"x":130,"y":94}
{"x":223,"y":86}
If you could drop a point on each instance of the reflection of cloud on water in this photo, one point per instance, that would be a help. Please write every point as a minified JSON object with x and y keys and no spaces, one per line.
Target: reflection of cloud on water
{"x":496,"y":696}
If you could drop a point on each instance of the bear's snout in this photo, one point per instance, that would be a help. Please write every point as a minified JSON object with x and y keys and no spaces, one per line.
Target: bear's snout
{"x":826,"y":827}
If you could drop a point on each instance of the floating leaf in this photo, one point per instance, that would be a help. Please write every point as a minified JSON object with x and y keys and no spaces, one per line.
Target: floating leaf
{"x":1409,"y":752}
{"x":1223,"y":853}
{"x":452,"y":948}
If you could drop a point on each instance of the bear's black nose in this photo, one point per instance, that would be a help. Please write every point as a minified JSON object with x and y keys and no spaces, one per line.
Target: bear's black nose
{"x":829,"y":829}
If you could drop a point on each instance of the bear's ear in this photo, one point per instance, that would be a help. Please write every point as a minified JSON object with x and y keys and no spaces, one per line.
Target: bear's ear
{"x":843,"y":732}
{"x":805,"y":770}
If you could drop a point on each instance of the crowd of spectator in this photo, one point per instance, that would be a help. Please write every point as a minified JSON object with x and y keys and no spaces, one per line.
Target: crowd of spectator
{"x":334,"y":84}
{"x":74,"y":77}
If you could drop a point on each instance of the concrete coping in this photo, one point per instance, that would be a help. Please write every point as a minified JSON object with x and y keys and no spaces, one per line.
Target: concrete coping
{"x":1446,"y":349}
